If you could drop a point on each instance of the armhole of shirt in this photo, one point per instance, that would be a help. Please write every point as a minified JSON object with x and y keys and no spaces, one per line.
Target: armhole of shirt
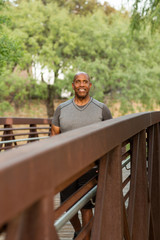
{"x":106,"y":114}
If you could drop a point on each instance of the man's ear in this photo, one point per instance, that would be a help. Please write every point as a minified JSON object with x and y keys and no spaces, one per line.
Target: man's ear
{"x":73,"y":85}
{"x":90,"y":84}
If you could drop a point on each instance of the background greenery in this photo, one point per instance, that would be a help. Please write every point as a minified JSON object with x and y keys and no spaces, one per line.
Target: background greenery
{"x":67,"y":36}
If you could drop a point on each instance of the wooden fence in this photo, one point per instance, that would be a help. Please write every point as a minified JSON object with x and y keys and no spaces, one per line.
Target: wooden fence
{"x":31,"y":175}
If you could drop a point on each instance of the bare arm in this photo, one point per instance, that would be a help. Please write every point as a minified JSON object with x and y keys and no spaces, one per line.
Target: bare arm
{"x":55,"y":130}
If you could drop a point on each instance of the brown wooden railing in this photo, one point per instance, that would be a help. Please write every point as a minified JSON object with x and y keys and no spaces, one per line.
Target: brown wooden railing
{"x":127,"y":208}
{"x":19,"y":131}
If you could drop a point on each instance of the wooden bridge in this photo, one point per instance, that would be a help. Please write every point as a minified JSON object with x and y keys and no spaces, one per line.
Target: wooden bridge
{"x":31,"y":177}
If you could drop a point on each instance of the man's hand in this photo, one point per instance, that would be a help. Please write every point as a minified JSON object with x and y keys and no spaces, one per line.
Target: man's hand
{"x":55,"y":130}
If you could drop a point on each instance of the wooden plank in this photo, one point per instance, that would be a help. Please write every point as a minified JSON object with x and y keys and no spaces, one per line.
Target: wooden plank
{"x":73,"y":199}
{"x":155,"y":184}
{"x":133,"y":182}
{"x":109,"y":224}
{"x":15,"y":120}
{"x":38,"y":221}
{"x":139,"y":225}
{"x":126,"y":227}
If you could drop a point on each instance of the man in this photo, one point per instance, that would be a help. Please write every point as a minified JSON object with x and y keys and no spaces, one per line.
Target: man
{"x":80,"y":111}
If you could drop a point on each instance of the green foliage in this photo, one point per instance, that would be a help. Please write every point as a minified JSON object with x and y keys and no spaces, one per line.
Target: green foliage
{"x":17,"y":90}
{"x":146,"y":13}
{"x":10,"y":50}
{"x":81,"y":7}
{"x":122,"y":66}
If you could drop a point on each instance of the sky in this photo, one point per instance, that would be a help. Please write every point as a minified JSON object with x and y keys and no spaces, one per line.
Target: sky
{"x":117,"y":4}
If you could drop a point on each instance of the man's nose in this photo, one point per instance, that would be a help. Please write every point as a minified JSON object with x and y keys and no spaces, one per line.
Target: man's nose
{"x":81,"y":83}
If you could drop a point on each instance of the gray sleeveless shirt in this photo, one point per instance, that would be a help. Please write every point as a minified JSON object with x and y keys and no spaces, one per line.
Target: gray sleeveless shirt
{"x":69,"y":116}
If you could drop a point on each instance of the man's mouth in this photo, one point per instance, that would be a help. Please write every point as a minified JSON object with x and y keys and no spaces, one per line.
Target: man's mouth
{"x":81,"y":90}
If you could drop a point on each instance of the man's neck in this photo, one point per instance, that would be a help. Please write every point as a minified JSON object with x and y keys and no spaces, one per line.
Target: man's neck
{"x":81,"y":101}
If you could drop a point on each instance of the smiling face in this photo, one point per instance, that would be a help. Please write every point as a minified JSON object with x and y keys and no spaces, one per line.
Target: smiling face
{"x":81,"y":85}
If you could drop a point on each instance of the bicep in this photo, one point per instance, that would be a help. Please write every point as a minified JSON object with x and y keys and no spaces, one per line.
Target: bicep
{"x":55,"y":130}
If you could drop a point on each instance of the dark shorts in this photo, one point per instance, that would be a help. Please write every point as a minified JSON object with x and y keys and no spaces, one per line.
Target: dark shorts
{"x":67,"y":192}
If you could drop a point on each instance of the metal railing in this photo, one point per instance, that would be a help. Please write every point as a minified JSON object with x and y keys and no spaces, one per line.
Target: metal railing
{"x":126,"y":208}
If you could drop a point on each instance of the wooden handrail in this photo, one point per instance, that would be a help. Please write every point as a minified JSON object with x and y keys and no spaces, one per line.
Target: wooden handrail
{"x":32,"y":174}
{"x":21,"y":120}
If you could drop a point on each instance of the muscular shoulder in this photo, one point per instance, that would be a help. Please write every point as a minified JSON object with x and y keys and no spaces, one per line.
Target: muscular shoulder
{"x":56,"y":117}
{"x":65,"y":104}
{"x":106,"y":114}
{"x":97,"y":103}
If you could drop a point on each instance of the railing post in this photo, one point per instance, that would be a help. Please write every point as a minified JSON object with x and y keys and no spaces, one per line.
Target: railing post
{"x":50,"y":125}
{"x":155,"y":186}
{"x":150,"y":149}
{"x":108,"y":224}
{"x":8,"y":137}
{"x":35,"y":223}
{"x":138,"y":200}
{"x":33,"y":131}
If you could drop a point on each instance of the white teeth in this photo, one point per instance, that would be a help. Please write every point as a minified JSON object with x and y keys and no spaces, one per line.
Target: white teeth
{"x":81,"y":90}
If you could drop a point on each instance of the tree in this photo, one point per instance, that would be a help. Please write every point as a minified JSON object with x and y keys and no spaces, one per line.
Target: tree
{"x":146,"y":13}
{"x":10,"y":51}
{"x":121,"y":66}
{"x":46,"y":37}
{"x":81,"y":7}
{"x":10,"y":55}
{"x":107,"y":8}
{"x":16,"y":90}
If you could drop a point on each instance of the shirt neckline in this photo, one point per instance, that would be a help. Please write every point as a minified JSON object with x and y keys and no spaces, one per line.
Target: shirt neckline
{"x":81,"y":108}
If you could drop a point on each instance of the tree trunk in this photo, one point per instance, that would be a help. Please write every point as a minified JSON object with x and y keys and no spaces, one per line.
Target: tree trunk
{"x":44,"y":2}
{"x":50,"y":100}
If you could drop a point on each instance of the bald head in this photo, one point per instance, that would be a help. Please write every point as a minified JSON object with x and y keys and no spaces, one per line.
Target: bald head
{"x":81,"y":73}
{"x":81,"y":85}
